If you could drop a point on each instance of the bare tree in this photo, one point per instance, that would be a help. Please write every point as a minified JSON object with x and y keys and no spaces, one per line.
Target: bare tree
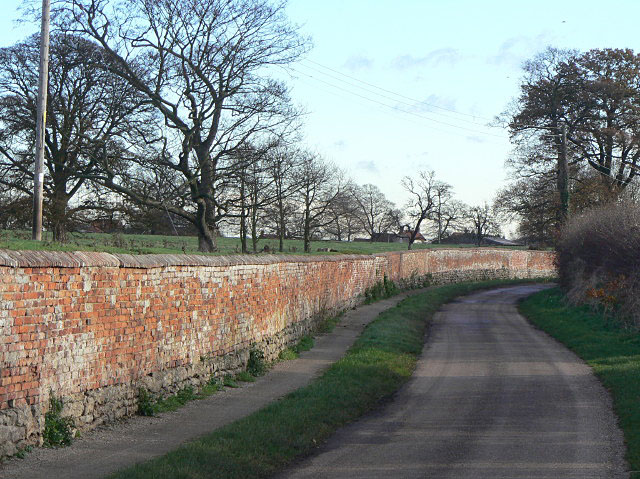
{"x":448,"y":217}
{"x":283,"y":166}
{"x":445,"y":209}
{"x":202,"y":65}
{"x":375,"y":210}
{"x":320,"y":185}
{"x":259,"y":189}
{"x":87,"y":106}
{"x":422,"y":196}
{"x":532,"y":203}
{"x":483,"y":220}
{"x":344,"y":214}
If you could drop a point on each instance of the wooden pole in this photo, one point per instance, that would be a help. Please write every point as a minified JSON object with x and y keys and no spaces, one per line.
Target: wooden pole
{"x":41,"y":121}
{"x":563,"y":177}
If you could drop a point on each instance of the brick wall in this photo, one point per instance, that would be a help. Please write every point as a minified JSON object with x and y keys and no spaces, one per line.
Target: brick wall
{"x":92,"y":328}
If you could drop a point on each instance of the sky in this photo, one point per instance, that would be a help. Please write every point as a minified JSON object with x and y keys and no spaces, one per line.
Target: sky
{"x":392,"y":87}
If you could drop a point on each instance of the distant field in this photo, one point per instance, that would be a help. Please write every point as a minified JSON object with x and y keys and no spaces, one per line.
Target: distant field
{"x":146,"y":244}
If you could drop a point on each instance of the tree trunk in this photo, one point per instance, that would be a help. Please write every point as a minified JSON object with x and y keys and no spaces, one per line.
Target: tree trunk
{"x":206,"y":242}
{"x":205,"y":217}
{"x":254,"y":230}
{"x":59,"y":216}
{"x":243,"y":217}
{"x":439,"y":220}
{"x":307,"y":232}
{"x":281,"y":225}
{"x":414,"y":233}
{"x":243,"y":230}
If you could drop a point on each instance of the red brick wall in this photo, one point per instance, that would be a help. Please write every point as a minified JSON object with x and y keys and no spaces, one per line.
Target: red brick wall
{"x":77,"y":322}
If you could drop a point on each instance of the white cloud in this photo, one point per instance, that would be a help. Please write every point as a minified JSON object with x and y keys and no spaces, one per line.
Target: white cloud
{"x":515,"y":50}
{"x":440,"y":57}
{"x":358,"y":62}
{"x":369,"y":166}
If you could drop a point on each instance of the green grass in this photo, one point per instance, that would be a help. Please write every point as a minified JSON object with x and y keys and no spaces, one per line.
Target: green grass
{"x":305,"y":343}
{"x":245,"y":377}
{"x":329,"y":324}
{"x":380,"y":361}
{"x":612,"y":352}
{"x":148,"y":244}
{"x":148,"y":405}
{"x":229,"y":381}
{"x":287,"y":354}
{"x":176,"y":401}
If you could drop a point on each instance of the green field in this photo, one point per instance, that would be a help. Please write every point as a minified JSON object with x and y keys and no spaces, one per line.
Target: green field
{"x":147,"y":244}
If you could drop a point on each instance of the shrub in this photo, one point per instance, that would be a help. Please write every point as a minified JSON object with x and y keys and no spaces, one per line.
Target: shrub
{"x":304,"y":344}
{"x":58,"y":430}
{"x":245,"y":377}
{"x":382,"y":289}
{"x":287,"y":354}
{"x":598,"y":259}
{"x":256,"y":365}
{"x":145,"y":403}
{"x":229,"y":381}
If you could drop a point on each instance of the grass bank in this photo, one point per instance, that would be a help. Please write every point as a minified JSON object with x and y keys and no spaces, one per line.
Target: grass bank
{"x":259,"y":445}
{"x":612,"y":352}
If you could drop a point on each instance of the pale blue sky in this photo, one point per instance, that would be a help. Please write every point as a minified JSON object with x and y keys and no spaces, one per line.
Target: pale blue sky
{"x":460,"y":55}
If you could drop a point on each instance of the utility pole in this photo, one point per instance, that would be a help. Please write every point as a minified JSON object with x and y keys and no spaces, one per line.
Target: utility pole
{"x":563,"y":176}
{"x":439,"y":193}
{"x":41,"y":123}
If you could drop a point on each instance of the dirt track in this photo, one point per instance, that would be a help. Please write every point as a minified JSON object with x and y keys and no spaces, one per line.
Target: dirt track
{"x":492,"y":397}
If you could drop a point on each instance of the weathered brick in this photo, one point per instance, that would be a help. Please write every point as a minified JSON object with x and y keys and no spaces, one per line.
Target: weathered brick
{"x":94,"y":334}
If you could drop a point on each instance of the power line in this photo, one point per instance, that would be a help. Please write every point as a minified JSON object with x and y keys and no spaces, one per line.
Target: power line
{"x":412,"y":104}
{"x":398,"y":94}
{"x":395,"y":107}
{"x":394,"y":112}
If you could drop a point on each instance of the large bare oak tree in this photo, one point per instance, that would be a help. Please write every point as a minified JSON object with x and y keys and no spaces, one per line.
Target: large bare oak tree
{"x":202,"y":64}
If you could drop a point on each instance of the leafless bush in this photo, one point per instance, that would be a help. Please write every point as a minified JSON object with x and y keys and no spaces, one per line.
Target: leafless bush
{"x":599,"y":259}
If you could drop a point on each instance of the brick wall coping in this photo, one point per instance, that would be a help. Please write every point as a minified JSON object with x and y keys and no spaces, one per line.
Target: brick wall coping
{"x":77,"y":259}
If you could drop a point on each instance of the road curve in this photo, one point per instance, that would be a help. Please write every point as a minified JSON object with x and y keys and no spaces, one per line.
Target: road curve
{"x":491,"y":397}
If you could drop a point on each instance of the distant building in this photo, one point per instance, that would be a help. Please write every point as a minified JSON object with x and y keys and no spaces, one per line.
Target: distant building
{"x":402,"y":237}
{"x":407,"y":234}
{"x":389,"y":238}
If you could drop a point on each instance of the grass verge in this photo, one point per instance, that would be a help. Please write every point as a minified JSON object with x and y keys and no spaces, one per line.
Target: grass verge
{"x":612,"y":352}
{"x":380,"y":361}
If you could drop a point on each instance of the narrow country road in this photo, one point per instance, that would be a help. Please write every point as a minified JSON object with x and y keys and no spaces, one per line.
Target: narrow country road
{"x":492,"y":397}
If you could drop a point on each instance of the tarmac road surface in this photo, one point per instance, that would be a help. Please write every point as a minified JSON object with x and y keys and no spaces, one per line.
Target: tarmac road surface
{"x":491,"y":397}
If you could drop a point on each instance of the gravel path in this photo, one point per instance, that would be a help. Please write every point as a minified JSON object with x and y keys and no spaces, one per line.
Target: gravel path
{"x":138,"y":439}
{"x":492,"y":397}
